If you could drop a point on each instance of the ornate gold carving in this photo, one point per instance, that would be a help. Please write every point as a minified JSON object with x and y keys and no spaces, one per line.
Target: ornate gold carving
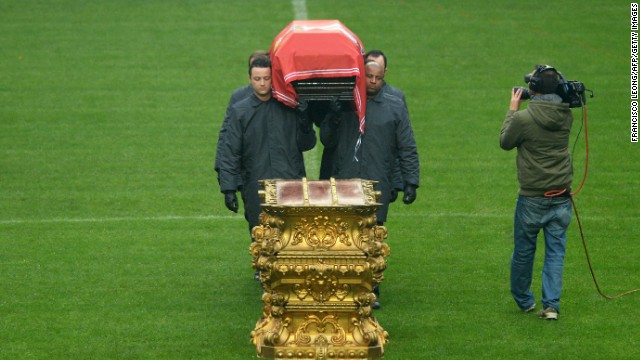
{"x":305,"y":191}
{"x":321,"y":233}
{"x":270,"y":193}
{"x":322,"y":284}
{"x":370,"y":195}
{"x":318,"y":266}
{"x":366,"y":331}
{"x":334,"y":192}
{"x":314,"y":328}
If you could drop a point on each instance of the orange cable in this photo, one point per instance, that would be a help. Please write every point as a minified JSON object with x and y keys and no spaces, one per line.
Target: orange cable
{"x":584,"y":244}
{"x":554,"y":193}
{"x":586,"y":143}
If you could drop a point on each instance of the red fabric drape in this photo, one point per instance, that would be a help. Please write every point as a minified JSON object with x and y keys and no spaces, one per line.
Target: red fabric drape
{"x":307,"y":49}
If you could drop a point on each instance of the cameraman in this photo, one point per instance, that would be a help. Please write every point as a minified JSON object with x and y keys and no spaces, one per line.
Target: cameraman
{"x":541,"y":134}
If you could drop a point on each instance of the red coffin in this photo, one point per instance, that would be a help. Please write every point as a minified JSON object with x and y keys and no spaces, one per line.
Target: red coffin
{"x":312,"y":49}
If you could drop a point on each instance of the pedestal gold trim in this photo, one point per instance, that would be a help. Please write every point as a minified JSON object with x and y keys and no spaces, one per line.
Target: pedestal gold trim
{"x":319,"y":253}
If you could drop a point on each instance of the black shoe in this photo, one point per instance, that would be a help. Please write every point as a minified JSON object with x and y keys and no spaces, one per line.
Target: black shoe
{"x":376,"y":291}
{"x":256,"y":276}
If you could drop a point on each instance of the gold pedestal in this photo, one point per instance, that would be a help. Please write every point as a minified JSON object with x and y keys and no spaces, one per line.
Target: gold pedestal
{"x":319,"y":253}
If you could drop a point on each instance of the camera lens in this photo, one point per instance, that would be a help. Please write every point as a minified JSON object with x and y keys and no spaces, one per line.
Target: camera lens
{"x":525,"y":92}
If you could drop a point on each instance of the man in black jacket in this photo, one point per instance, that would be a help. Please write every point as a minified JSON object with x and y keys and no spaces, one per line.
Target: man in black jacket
{"x":379,"y":57}
{"x":238,"y":94}
{"x":264,"y":139}
{"x":388,"y":135}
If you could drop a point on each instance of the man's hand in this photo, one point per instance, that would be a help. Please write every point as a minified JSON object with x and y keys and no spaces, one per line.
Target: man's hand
{"x":333,"y":111}
{"x":394,"y":195}
{"x":306,"y":123}
{"x":515,"y":99}
{"x":231,"y":200}
{"x":334,"y":105}
{"x":409,"y":194}
{"x":303,"y":105}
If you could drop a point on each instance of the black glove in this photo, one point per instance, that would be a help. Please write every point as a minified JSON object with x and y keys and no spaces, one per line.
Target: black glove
{"x":334,"y":105}
{"x":394,"y":195}
{"x":303,"y":105}
{"x":231,"y":200}
{"x":409,"y":194}
{"x":306,"y":123}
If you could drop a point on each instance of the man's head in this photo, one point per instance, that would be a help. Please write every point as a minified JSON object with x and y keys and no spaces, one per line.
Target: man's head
{"x":256,"y":54}
{"x":544,"y":79}
{"x":260,"y":77}
{"x":377,"y":56}
{"x":375,"y":77}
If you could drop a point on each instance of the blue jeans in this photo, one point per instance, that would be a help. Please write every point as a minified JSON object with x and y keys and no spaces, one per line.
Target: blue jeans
{"x":553,"y":216}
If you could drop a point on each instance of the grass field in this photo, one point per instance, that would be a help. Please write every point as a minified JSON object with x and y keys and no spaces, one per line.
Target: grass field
{"x":114,"y":239}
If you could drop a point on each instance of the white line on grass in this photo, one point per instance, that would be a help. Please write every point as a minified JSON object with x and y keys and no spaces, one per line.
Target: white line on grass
{"x":310,"y":157}
{"x":122,"y":218}
{"x":239,"y":217}
{"x":205,"y":218}
{"x":479,"y":215}
{"x":453,"y":214}
{"x":299,"y":9}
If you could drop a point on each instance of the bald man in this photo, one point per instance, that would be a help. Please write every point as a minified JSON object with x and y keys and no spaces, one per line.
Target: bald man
{"x":388,"y":134}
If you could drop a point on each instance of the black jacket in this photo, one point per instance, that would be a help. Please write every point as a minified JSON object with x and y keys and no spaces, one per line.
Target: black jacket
{"x":388,"y":135}
{"x":263,"y":140}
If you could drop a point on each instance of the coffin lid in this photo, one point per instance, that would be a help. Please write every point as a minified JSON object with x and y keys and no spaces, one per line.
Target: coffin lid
{"x":319,"y":193}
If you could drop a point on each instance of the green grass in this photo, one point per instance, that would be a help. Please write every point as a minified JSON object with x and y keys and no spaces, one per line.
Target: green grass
{"x":114,"y":239}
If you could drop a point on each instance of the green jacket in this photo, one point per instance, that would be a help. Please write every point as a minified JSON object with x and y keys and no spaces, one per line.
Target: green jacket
{"x":541,"y":134}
